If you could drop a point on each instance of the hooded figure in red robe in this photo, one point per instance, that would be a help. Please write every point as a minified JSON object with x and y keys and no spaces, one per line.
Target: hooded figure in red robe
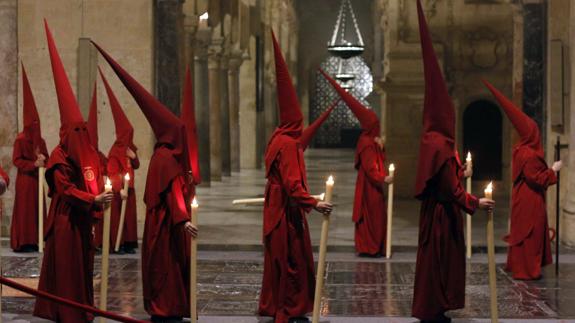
{"x":4,"y":182}
{"x":122,"y":160}
{"x":440,"y":268}
{"x":29,"y":154}
{"x":72,"y":174}
{"x":288,"y":280}
{"x":167,"y":231}
{"x":528,"y":239}
{"x":369,"y":207}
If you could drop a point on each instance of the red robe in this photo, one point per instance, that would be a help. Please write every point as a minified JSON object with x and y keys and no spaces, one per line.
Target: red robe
{"x":288,"y":282}
{"x":369,"y":208}
{"x":24,"y":227}
{"x":67,"y":267}
{"x":117,"y":169}
{"x":166,"y":245}
{"x":528,"y":239}
{"x":440,"y":268}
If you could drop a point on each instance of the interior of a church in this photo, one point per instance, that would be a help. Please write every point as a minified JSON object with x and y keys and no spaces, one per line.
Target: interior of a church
{"x":480,"y":231}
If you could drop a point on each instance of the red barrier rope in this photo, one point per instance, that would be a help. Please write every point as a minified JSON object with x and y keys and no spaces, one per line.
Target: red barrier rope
{"x":67,"y":302}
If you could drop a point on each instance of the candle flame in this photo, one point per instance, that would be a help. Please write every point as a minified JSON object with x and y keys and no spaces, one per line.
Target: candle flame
{"x":330,"y":180}
{"x":108,"y":182}
{"x":489,"y":187}
{"x":127,"y":177}
{"x":391,"y":167}
{"x":322,"y":196}
{"x":468,"y":156}
{"x":195,"y":203}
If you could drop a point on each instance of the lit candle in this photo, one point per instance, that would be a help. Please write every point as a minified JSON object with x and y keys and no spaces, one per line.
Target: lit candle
{"x":389,"y":213}
{"x":329,"y":184}
{"x":489,"y":191}
{"x":329,"y":188}
{"x":491,"y":257}
{"x":105,"y":253}
{"x":122,"y":214}
{"x":469,"y":169}
{"x":108,"y":185}
{"x":194,"y":266}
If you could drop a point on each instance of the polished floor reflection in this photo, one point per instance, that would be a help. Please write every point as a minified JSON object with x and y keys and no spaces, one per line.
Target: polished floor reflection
{"x":229,"y":284}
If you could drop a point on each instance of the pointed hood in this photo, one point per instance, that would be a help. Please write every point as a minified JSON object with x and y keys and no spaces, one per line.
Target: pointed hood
{"x":291,"y":118}
{"x":309,"y":132}
{"x":172,"y":157}
{"x":93,"y":119}
{"x":367,"y":118}
{"x":69,"y":110}
{"x":124,"y":129}
{"x":188,"y":117}
{"x":530,"y":136}
{"x":32,"y":130}
{"x":74,"y":136}
{"x":437,"y":142}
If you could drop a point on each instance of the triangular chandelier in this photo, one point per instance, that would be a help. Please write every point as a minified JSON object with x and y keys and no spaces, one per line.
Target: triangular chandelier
{"x":346,"y":41}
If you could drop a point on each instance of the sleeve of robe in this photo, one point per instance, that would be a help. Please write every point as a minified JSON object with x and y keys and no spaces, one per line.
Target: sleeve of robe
{"x":20,"y":161}
{"x":292,"y":177}
{"x":6,"y":179}
{"x":450,"y":187}
{"x":370,"y":166}
{"x":177,"y":203}
{"x":69,"y":192}
{"x":537,"y":175}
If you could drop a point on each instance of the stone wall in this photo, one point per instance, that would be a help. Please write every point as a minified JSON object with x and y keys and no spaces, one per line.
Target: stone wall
{"x":123,"y":27}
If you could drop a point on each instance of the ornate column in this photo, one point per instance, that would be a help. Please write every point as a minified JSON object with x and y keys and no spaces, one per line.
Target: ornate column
{"x":8,"y":97}
{"x":214,"y":58}
{"x":202,"y":102}
{"x":168,"y":30}
{"x":568,"y":225}
{"x":225,"y":115}
{"x":234,"y":103}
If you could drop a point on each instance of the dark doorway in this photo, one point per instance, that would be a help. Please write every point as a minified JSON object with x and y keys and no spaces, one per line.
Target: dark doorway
{"x":482,"y":136}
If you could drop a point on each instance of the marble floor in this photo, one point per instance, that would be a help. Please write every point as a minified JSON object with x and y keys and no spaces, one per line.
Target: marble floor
{"x":357,"y":289}
{"x":224,"y":224}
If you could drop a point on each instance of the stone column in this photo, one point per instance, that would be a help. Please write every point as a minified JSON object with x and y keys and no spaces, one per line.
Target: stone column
{"x":202,"y":102}
{"x":168,"y":30}
{"x":234,"y":101}
{"x":225,"y":116}
{"x":568,"y":224}
{"x":214,"y":57}
{"x":534,"y":57}
{"x":8,"y":99}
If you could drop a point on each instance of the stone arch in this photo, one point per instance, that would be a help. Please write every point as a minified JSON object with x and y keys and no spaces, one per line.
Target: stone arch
{"x":483,"y":136}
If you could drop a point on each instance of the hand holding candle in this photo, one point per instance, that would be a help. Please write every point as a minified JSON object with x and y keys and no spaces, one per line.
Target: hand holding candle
{"x":491,"y":256}
{"x":194,"y":265}
{"x":329,"y":184}
{"x":124,"y":196}
{"x":105,"y":247}
{"x":389,"y":212}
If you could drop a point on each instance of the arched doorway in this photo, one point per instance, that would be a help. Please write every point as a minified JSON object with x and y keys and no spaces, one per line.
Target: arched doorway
{"x":482,"y":135}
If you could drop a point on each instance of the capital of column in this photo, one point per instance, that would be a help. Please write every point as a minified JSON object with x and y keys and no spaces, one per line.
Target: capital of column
{"x":214,"y":53}
{"x":235,"y":61}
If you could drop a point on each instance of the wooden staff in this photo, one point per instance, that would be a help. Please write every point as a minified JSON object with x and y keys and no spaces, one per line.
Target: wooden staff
{"x":122,"y":213}
{"x":322,"y":252}
{"x":557,"y":209}
{"x":491,"y":258}
{"x":41,"y":179}
{"x":105,"y":254}
{"x":261,"y":200}
{"x":389,"y":213}
{"x":469,"y":169}
{"x":194,"y":267}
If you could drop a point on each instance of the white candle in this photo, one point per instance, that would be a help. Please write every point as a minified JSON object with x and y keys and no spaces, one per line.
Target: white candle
{"x":122,"y":214}
{"x":194,"y":266}
{"x":489,"y":191}
{"x":389,"y":213}
{"x":329,"y":188}
{"x":108,"y":185}
{"x":469,"y":169}
{"x":391,"y":170}
{"x":469,"y":162}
